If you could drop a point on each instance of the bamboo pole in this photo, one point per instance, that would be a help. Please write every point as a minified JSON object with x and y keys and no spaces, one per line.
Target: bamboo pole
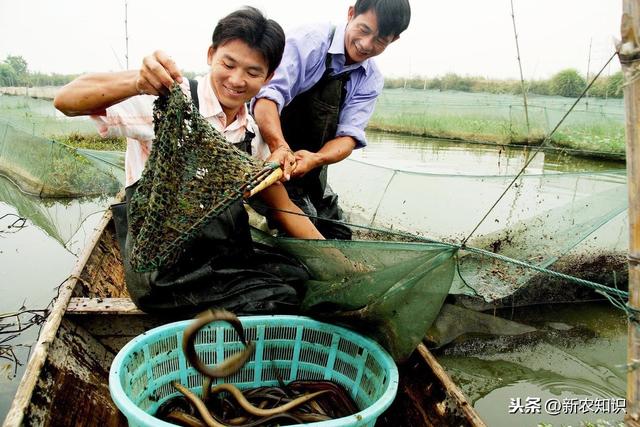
{"x":586,"y":96}
{"x":524,"y":89}
{"x":629,"y":52}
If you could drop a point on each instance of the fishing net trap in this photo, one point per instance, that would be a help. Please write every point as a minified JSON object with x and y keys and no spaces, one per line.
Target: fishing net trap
{"x":192,"y":175}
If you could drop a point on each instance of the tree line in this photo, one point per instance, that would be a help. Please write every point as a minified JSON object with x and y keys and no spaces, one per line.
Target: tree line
{"x":14,"y":71}
{"x":568,"y":83}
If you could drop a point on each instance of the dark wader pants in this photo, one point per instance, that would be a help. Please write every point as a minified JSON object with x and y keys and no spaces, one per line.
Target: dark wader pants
{"x":308,"y":122}
{"x":220,"y":267}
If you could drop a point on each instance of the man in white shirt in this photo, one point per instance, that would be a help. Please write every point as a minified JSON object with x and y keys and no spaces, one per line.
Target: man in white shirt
{"x":222,"y":267}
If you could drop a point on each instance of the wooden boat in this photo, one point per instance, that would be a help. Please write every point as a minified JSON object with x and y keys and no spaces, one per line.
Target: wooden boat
{"x":66,"y":380}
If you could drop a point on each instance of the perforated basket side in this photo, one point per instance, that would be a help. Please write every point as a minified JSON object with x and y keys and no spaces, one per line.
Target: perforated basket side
{"x":287,"y":348}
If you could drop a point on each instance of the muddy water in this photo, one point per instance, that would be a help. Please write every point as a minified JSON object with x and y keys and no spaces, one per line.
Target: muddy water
{"x":35,"y":259}
{"x":577,"y":354}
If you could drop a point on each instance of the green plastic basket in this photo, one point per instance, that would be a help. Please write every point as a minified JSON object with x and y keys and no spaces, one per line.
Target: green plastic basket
{"x":291,"y":347}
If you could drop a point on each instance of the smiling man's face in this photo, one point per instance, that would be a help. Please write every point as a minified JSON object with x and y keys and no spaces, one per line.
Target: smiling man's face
{"x":237,"y":74}
{"x":361,"y":38}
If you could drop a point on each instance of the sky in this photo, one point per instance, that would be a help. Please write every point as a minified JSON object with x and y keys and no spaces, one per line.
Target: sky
{"x":466,"y":37}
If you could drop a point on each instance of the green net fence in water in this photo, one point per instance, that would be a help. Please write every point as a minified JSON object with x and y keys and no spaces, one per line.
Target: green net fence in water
{"x":38,"y":164}
{"x":47,"y":168}
{"x":38,"y":117}
{"x":595,"y":125}
{"x":572,"y":222}
{"x":392,"y":291}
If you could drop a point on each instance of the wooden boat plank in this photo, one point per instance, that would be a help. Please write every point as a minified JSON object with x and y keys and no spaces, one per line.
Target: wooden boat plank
{"x":426,"y":401}
{"x":72,"y":389}
{"x":111,"y":306}
{"x":48,"y":332}
{"x":451,"y":388}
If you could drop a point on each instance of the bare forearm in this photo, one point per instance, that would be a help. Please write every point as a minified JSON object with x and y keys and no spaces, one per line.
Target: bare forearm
{"x":336,"y":150}
{"x":268,"y":120}
{"x":332,"y":151}
{"x":94,"y":93}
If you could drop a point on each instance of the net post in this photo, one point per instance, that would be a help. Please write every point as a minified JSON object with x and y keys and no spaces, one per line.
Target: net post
{"x":629,"y":53}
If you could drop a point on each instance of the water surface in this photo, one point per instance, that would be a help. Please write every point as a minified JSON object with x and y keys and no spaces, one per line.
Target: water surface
{"x":37,"y":258}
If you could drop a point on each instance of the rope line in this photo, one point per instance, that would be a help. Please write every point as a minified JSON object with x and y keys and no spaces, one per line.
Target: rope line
{"x":538,"y":149}
{"x":600,"y":288}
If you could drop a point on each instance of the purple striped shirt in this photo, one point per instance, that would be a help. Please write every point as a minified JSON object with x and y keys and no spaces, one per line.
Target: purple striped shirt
{"x":303,"y":64}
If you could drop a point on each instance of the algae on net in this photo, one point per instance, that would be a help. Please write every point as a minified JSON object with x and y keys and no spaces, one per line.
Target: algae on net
{"x":192,"y":175}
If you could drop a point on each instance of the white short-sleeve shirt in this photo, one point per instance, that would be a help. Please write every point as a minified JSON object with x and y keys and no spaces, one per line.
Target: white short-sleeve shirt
{"x":133,"y":119}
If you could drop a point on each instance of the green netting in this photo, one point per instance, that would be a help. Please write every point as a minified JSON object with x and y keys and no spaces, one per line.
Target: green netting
{"x":572,"y":222}
{"x":38,"y":117}
{"x":61,"y":219}
{"x":596,"y":124}
{"x":454,"y":321}
{"x":392,"y":291}
{"x":193,"y":174}
{"x":47,"y":168}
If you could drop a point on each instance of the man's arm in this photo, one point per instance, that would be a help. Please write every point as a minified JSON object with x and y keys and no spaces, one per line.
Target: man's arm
{"x":92,"y":94}
{"x":268,"y":119}
{"x":332,"y":151}
{"x":295,"y":224}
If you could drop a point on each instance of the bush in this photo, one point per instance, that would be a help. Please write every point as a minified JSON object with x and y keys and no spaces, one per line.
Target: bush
{"x":568,"y":83}
{"x":540,"y":87}
{"x":453,"y":81}
{"x":614,"y":86}
{"x":565,"y":83}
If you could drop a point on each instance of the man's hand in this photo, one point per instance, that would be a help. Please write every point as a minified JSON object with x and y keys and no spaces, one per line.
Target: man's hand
{"x":286,"y":159}
{"x":157,"y":74}
{"x":305,"y":162}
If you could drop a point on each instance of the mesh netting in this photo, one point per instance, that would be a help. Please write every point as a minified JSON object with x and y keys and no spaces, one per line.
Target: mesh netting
{"x":61,"y":219}
{"x":572,"y":222}
{"x":597,"y":124}
{"x":48,"y":168}
{"x":193,"y":174}
{"x":38,"y":117}
{"x":391,"y":291}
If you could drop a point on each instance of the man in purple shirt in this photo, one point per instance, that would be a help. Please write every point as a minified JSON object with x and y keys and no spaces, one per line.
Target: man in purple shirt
{"x":314,"y":110}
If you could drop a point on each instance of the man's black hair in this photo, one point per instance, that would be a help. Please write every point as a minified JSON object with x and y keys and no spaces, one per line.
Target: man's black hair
{"x":252,"y":27}
{"x":393,"y":15}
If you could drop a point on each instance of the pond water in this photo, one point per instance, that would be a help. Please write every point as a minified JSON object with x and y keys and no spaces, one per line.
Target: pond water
{"x":575,"y":357}
{"x":415,"y":154}
{"x":578,"y":353}
{"x":37,"y":258}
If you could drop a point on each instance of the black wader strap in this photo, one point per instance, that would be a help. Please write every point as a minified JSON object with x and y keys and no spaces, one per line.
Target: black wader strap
{"x":193,"y":86}
{"x":244,"y":145}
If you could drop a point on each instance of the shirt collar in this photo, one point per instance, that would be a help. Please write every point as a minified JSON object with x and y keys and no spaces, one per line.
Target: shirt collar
{"x":336,"y":49}
{"x":210,"y":106}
